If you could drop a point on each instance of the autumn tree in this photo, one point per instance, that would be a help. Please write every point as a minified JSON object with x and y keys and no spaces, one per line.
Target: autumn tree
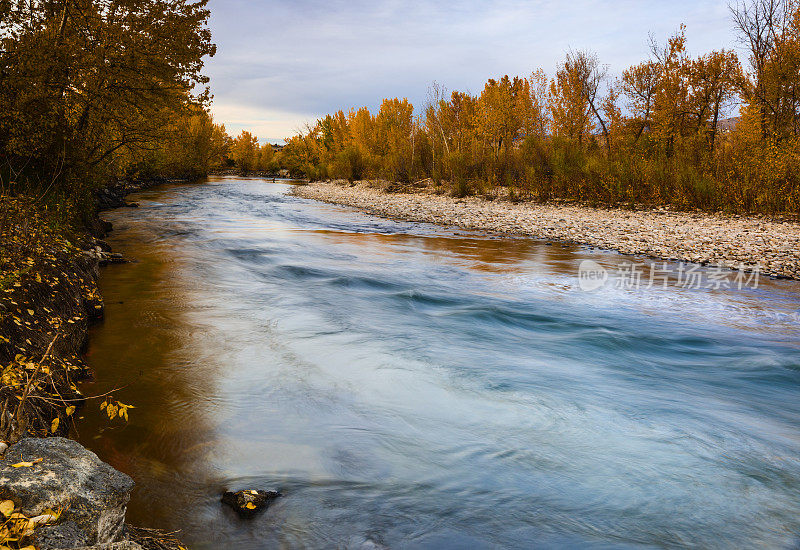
{"x":84,"y":81}
{"x":265,"y":159}
{"x":714,"y":80}
{"x":536,"y":118}
{"x":770,"y":29}
{"x":639,"y":84}
{"x":671,"y":105}
{"x":434,"y":127}
{"x":569,"y":105}
{"x":394,"y":129}
{"x":505,"y":108}
{"x":245,"y":151}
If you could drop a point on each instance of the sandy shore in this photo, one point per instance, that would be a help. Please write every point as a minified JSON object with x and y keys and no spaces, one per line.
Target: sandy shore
{"x":727,"y":241}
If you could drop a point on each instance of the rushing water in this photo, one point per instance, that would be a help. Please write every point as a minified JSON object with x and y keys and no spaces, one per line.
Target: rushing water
{"x":408,"y":386}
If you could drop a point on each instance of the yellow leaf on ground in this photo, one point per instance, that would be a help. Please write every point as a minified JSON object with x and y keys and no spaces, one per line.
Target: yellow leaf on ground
{"x":70,"y":410}
{"x":26,"y":464}
{"x":7,"y":507}
{"x":30,"y":312}
{"x":250,"y":506}
{"x":54,"y":425}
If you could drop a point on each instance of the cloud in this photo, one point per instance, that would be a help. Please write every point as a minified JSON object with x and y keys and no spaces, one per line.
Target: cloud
{"x":285,"y":62}
{"x":268,"y":124}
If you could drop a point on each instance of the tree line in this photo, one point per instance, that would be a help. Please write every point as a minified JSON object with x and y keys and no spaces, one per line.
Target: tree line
{"x":96,"y":90}
{"x":660,"y":133}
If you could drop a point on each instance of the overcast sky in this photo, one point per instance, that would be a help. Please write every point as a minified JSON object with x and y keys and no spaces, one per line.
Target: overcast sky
{"x":281,"y":63}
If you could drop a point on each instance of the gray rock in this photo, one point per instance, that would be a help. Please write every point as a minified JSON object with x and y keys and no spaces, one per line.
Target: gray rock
{"x":93,"y":494}
{"x":64,"y":534}
{"x":249,"y":503}
{"x":126,"y":545}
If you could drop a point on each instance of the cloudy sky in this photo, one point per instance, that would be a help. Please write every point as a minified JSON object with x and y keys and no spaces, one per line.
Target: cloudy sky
{"x":281,"y":63}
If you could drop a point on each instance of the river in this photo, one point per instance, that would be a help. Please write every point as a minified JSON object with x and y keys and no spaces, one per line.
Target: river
{"x":410,"y":386}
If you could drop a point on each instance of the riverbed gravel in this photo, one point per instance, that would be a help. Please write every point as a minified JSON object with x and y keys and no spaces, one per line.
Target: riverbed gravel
{"x":737,"y":242}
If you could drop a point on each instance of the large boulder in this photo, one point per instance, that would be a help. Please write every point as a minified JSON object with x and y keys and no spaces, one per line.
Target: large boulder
{"x":94,"y":495}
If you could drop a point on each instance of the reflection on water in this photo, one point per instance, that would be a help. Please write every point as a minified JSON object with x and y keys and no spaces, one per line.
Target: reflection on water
{"x":407,"y":386}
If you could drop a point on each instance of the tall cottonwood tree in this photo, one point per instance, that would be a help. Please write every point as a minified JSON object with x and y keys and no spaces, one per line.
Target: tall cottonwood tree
{"x":569,"y":104}
{"x":639,"y":84}
{"x":714,"y":80}
{"x":245,"y":152}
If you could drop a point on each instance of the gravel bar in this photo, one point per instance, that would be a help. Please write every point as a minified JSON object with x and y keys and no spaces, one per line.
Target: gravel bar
{"x":736,"y":242}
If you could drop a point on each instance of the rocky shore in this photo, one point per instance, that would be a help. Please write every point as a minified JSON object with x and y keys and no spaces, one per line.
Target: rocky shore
{"x":736,"y":242}
{"x":53,"y":492}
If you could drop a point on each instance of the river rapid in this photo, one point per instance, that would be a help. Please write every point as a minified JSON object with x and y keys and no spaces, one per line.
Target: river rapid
{"x":411,"y":386}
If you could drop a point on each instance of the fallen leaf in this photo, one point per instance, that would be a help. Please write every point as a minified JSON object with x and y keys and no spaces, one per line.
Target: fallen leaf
{"x":70,"y":410}
{"x":26,"y":464}
{"x":41,"y":520}
{"x":7,"y":507}
{"x":250,"y":506}
{"x":54,"y":425}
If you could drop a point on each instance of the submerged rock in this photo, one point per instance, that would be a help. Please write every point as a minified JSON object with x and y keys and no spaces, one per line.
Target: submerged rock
{"x":64,"y":475}
{"x":249,"y":503}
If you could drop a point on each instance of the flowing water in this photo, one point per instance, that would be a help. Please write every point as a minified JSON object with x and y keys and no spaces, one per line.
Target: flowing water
{"x":408,"y":386}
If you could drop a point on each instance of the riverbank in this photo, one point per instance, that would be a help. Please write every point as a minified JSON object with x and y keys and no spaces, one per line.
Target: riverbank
{"x":48,"y":300}
{"x":736,"y":242}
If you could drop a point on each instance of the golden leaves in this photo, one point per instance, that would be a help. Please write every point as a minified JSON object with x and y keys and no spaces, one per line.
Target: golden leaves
{"x":7,"y":507}
{"x":54,"y":425}
{"x":115,"y":409}
{"x":26,"y":464}
{"x":17,"y":526}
